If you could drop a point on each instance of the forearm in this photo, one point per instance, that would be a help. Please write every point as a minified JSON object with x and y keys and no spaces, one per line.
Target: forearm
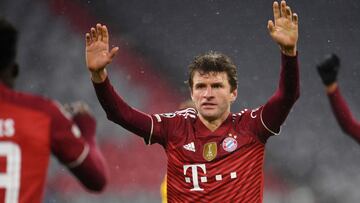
{"x":118,"y":111}
{"x":343,"y":115}
{"x":92,"y":172}
{"x":285,"y":96}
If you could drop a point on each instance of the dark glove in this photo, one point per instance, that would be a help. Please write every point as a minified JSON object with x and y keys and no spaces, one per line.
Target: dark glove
{"x":328,"y":69}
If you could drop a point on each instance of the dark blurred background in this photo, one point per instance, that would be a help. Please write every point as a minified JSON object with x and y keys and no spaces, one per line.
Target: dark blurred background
{"x":311,"y":161}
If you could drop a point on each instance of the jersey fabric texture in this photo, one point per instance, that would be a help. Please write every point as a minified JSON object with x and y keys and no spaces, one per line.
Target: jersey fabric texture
{"x":203,"y":166}
{"x":31,"y":128}
{"x":343,"y":115}
{"x":220,"y":166}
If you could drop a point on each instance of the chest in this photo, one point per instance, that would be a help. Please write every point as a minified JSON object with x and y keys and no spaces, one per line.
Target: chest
{"x":193,"y":146}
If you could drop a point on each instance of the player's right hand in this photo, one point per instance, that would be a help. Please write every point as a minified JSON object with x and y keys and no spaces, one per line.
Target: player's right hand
{"x":328,"y":69}
{"x":77,"y":107}
{"x":81,"y":115}
{"x":97,"y":48}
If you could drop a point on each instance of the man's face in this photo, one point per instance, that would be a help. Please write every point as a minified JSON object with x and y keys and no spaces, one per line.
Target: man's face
{"x":211,"y":95}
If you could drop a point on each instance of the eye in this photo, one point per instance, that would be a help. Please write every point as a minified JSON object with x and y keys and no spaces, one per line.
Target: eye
{"x":200,"y":86}
{"x":217,"y":86}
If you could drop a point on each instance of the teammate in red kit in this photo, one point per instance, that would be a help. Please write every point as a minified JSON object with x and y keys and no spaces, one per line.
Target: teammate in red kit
{"x":213,"y":155}
{"x":328,"y":70}
{"x":33,"y":127}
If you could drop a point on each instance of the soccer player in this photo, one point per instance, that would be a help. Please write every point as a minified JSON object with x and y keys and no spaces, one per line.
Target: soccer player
{"x":213,"y":155}
{"x":32,"y":128}
{"x":328,"y":70}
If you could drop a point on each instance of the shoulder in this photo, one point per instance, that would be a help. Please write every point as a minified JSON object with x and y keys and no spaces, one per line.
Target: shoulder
{"x":183,"y":114}
{"x":35,"y":103}
{"x":246,"y":115}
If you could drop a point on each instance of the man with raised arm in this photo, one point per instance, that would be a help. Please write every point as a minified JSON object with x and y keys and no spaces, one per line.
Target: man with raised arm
{"x":213,"y":155}
{"x":328,"y":70}
{"x":33,"y":127}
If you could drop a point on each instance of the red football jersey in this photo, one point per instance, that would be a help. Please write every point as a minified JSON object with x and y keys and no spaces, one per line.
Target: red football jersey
{"x":221,"y":166}
{"x":204,"y":166}
{"x":31,"y":128}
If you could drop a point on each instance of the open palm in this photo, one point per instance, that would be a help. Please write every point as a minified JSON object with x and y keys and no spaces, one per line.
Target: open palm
{"x":285,"y":29}
{"x":97,"y":48}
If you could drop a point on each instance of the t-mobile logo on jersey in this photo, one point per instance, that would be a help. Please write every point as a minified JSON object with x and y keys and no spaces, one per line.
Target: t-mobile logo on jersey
{"x":195,"y":178}
{"x":7,"y":127}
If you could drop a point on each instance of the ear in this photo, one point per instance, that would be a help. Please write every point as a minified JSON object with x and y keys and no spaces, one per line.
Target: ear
{"x":233,"y":95}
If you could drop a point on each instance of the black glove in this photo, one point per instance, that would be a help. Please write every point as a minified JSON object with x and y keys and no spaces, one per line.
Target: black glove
{"x":328,"y":69}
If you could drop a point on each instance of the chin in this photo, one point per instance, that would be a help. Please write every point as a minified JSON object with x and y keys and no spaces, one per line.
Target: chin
{"x":210,"y":116}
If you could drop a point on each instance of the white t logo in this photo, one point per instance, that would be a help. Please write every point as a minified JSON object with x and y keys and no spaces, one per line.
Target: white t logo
{"x":195,"y":178}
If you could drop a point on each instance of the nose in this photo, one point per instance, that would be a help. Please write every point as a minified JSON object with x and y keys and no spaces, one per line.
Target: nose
{"x":208,"y":92}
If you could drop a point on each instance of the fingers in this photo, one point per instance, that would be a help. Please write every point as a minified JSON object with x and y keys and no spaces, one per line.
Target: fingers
{"x":105,"y":34}
{"x":288,"y":13}
{"x":283,"y":11}
{"x":276,"y":10}
{"x":295,"y":19}
{"x":271,"y":26}
{"x":93,"y":34}
{"x":283,"y":8}
{"x":98,"y":32}
{"x":88,"y":39}
{"x":113,"y":52}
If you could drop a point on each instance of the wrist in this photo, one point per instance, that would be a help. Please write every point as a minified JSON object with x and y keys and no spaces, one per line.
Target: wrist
{"x":289,"y":51}
{"x":331,"y":87}
{"x":98,"y":76}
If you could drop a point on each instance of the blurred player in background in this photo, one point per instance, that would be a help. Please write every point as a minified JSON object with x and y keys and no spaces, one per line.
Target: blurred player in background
{"x":33,"y":127}
{"x":213,"y":155}
{"x":328,"y":70}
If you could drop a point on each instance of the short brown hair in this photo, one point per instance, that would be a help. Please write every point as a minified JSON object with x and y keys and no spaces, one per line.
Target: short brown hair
{"x":213,"y":62}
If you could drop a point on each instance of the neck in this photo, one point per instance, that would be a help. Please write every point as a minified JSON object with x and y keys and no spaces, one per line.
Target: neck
{"x":213,"y":124}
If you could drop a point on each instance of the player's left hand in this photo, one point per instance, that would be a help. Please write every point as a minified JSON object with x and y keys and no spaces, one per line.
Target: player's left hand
{"x":284,"y":28}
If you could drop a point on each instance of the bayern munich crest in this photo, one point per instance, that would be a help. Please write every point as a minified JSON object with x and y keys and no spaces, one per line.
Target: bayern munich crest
{"x":229,"y":144}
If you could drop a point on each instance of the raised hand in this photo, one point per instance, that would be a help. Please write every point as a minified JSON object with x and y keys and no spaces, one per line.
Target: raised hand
{"x":328,"y":69}
{"x":284,"y":29}
{"x":97,"y":52}
{"x":78,"y":107}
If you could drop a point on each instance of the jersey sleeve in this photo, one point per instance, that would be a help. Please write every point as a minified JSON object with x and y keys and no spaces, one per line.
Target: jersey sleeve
{"x":73,"y":143}
{"x":66,"y":139}
{"x":160,"y":128}
{"x":343,"y":115}
{"x":252,"y":121}
{"x":119,"y":112}
{"x":166,"y":126}
{"x":277,"y":108}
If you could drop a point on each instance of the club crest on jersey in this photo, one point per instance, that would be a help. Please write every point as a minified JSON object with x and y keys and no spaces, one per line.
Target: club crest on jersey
{"x":210,"y":151}
{"x":229,"y":144}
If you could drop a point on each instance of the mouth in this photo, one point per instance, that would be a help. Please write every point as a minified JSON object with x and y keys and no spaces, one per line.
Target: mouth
{"x":208,"y":105}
